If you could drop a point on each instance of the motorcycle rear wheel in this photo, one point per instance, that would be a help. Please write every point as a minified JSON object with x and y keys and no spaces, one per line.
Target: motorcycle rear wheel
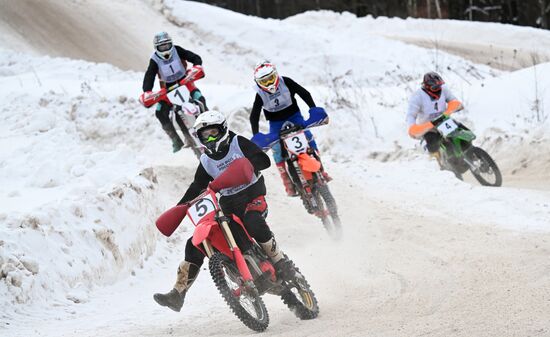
{"x":486,"y":168}
{"x":247,"y":305}
{"x":299,"y":297}
{"x":331,"y":219}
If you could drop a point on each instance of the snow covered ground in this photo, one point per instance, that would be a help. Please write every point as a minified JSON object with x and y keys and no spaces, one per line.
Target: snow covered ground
{"x":85,"y":171}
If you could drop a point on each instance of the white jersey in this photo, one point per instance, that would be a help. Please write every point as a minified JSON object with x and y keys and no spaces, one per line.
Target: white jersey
{"x":170,"y":70}
{"x":216,"y":167}
{"x":277,"y":101}
{"x":423,"y":108}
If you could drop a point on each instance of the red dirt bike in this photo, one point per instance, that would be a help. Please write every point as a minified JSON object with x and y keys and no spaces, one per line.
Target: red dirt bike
{"x":185,"y":109}
{"x":241,"y":277}
{"x":305,"y":170}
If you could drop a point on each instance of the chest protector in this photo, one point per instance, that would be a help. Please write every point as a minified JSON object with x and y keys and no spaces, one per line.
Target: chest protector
{"x":277,"y":101}
{"x":170,"y":70}
{"x":431,"y":108}
{"x":216,"y":167}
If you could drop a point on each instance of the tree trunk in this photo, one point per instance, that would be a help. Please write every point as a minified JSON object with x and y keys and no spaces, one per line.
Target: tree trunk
{"x":438,"y":9}
{"x":429,"y":8}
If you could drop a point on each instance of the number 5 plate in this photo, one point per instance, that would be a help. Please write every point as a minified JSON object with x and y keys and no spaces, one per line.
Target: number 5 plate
{"x":447,"y":127}
{"x":201,"y":209}
{"x":296,"y":143}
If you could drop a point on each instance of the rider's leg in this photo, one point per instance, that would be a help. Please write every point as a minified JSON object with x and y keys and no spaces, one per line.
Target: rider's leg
{"x":274,"y":128}
{"x":196,"y":94}
{"x":254,"y":221}
{"x":163,"y":115}
{"x":187,"y":273}
{"x":433,"y":142}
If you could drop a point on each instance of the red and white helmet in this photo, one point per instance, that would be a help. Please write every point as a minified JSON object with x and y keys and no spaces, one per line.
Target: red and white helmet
{"x":266,"y":77}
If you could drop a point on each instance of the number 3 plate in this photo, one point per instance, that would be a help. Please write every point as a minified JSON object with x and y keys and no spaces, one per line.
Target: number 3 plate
{"x":201,"y":209}
{"x":296,"y":143}
{"x":447,"y":127}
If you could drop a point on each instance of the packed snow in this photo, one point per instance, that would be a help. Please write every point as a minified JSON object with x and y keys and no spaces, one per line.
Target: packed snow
{"x":86,"y":170}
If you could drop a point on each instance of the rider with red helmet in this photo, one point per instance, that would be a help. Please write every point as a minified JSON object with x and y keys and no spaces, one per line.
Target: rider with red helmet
{"x":169,"y":63}
{"x":430,"y":101}
{"x":275,"y":94}
{"x":247,"y":201}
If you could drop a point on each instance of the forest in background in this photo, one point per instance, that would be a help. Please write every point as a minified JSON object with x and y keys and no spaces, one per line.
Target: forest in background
{"x":533,"y":13}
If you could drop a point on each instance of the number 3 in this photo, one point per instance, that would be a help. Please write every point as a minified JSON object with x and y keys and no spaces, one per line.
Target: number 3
{"x":297,"y":143}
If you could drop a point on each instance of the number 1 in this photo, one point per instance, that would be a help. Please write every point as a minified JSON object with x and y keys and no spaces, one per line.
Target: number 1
{"x":178,"y":93}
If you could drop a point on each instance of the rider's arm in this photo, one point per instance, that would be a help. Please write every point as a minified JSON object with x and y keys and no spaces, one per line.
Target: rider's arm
{"x":255,"y":114}
{"x":189,"y":56}
{"x":254,"y":154}
{"x":150,"y":74}
{"x":197,"y":186}
{"x":416,"y":130}
{"x":453,"y":104}
{"x":295,"y":88}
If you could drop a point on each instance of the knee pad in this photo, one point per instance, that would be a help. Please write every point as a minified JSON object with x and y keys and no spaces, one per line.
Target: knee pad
{"x":256,"y":226}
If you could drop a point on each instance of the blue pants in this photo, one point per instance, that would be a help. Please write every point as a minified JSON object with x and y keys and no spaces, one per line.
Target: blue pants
{"x":275,"y":127}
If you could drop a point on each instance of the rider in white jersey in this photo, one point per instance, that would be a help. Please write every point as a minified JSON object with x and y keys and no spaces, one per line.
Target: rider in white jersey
{"x":427,"y":103}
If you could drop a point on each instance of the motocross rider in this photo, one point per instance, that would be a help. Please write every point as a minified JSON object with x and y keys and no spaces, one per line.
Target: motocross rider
{"x":275,"y":94}
{"x":427,"y":103}
{"x":169,"y":63}
{"x":247,"y":201}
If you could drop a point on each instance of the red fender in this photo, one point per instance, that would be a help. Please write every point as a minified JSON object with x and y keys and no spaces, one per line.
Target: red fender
{"x":171,"y":219}
{"x":202,"y":231}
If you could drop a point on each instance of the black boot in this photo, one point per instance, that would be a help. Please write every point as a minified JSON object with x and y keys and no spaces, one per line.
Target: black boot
{"x":187,"y":273}
{"x":177,"y":143}
{"x":173,"y":299}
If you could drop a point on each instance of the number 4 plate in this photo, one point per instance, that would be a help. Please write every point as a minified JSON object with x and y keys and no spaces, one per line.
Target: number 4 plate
{"x":297,"y":143}
{"x":447,"y":127}
{"x":201,"y":209}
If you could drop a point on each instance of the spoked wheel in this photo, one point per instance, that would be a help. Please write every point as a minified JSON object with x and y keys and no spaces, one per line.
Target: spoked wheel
{"x":189,"y":139}
{"x":243,"y":300}
{"x":191,"y":142}
{"x":299,"y":297}
{"x":328,"y":211}
{"x":484,"y":168}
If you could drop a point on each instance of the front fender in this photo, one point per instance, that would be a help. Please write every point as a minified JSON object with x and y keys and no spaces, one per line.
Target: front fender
{"x":202,"y":231}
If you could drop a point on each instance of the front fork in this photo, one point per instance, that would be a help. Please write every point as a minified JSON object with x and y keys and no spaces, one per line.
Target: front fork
{"x":237,"y":254}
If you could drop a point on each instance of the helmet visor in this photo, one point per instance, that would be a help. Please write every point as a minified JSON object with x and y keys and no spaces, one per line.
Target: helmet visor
{"x":268,"y":80}
{"x":209,"y":134}
{"x":164,"y":47}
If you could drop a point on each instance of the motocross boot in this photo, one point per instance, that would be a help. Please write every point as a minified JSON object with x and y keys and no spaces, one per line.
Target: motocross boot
{"x":437,"y":156}
{"x":177,"y":143}
{"x":282,"y":264}
{"x":289,"y":186}
{"x":323,"y":172}
{"x":187,"y":273}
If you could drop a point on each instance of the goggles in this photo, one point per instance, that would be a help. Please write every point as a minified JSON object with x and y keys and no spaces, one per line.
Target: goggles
{"x":434,"y":85}
{"x":164,"y":47}
{"x":267,"y":80}
{"x":210,"y":134}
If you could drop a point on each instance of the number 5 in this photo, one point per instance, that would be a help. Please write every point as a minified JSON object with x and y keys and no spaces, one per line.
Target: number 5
{"x":200,"y":208}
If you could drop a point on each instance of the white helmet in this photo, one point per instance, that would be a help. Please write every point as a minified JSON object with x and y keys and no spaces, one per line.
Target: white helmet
{"x":211,"y":128}
{"x":266,"y":77}
{"x":163,"y":45}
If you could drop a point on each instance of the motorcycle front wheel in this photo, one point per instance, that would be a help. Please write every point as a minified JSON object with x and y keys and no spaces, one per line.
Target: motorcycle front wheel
{"x":328,"y":211}
{"x":245,"y":303}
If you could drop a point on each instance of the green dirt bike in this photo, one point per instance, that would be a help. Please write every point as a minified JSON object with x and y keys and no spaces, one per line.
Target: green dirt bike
{"x":458,"y":155}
